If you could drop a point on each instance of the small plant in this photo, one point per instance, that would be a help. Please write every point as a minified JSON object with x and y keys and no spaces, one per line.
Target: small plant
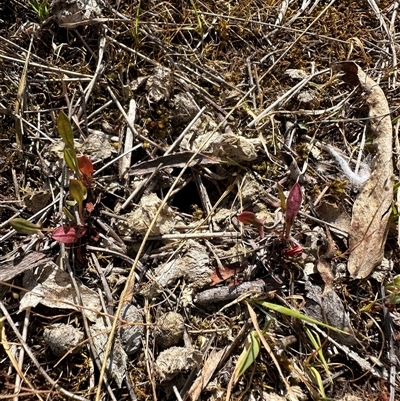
{"x":40,"y":8}
{"x":74,"y":211}
{"x":291,"y":207}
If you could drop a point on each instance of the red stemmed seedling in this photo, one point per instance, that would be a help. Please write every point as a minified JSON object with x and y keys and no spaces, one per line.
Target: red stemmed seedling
{"x":79,"y":186}
{"x":291,"y":206}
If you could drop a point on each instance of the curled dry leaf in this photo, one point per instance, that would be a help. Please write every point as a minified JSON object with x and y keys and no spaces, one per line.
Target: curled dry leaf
{"x":51,"y":286}
{"x":220,"y":275}
{"x":372,"y":208}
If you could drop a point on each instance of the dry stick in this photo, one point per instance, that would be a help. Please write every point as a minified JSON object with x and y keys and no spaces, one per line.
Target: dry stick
{"x":7,"y":348}
{"x":116,"y":158}
{"x":35,"y":361}
{"x":363,"y":363}
{"x":130,"y":125}
{"x":392,"y":42}
{"x":125,"y":162}
{"x":391,"y":356}
{"x":205,"y":200}
{"x":128,"y":289}
{"x":12,"y":232}
{"x":283,"y":27}
{"x":251,"y":81}
{"x":19,"y":104}
{"x":184,"y":132}
{"x":110,"y":302}
{"x":149,"y":362}
{"x":18,"y":378}
{"x":282,"y":12}
{"x":46,"y":67}
{"x":141,"y":186}
{"x":392,"y":29}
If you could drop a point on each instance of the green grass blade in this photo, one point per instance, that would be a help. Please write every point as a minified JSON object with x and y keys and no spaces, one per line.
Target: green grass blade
{"x":248,"y":356}
{"x":315,"y":341}
{"x":297,"y":315}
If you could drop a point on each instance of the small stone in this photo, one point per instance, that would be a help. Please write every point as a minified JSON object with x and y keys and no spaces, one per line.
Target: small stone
{"x":169,"y":329}
{"x":63,"y":338}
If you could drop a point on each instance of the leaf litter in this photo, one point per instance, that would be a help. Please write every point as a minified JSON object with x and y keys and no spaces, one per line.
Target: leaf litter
{"x":205,"y":191}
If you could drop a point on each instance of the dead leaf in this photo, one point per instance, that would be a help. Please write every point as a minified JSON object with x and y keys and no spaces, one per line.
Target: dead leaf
{"x":210,"y":364}
{"x":11,"y":268}
{"x":193,"y":266}
{"x":177,"y":160}
{"x":160,"y":83}
{"x":335,"y":215}
{"x":51,"y":286}
{"x":224,"y":145}
{"x":220,"y":275}
{"x":97,"y":146}
{"x":372,"y":208}
{"x":37,"y":200}
{"x":139,"y":219}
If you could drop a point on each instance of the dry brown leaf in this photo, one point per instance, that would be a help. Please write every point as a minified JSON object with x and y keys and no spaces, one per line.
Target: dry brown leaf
{"x":11,"y":268}
{"x":51,"y":286}
{"x":220,"y":275}
{"x":371,"y":210}
{"x":210,"y":364}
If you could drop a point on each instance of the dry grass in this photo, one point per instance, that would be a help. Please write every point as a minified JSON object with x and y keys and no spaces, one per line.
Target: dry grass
{"x":228,"y":62}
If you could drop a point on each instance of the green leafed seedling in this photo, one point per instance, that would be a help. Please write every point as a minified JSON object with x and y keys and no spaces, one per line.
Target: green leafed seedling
{"x":23,"y":226}
{"x":316,"y":342}
{"x":77,"y":190}
{"x":248,"y":356}
{"x":65,"y":131}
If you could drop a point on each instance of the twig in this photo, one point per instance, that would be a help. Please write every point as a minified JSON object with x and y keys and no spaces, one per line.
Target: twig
{"x":125,"y":162}
{"x":86,"y":326}
{"x":60,"y":71}
{"x":184,"y":132}
{"x":21,"y":355}
{"x":130,"y":125}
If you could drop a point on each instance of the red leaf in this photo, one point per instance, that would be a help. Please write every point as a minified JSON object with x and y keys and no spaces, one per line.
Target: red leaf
{"x":295,"y":251}
{"x":220,"y":275}
{"x":68,"y":234}
{"x":293,"y":204}
{"x":85,"y":165}
{"x":250,"y":218}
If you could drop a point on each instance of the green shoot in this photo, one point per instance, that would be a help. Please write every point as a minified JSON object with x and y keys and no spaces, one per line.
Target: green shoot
{"x":40,"y":8}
